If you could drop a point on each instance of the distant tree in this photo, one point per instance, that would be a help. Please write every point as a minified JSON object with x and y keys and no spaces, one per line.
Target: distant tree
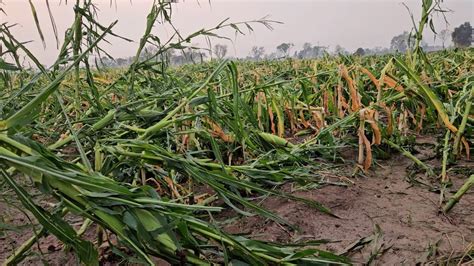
{"x":462,"y":35}
{"x":284,"y":48}
{"x":148,"y":52}
{"x":402,"y":42}
{"x":339,"y":50}
{"x":306,"y":52}
{"x":271,"y":56}
{"x":444,"y":35}
{"x":185,"y":56}
{"x":318,"y":51}
{"x":360,"y":51}
{"x":377,"y":51}
{"x":106,"y":61}
{"x":121,"y":61}
{"x":220,"y":50}
{"x":310,"y":51}
{"x":192,"y":55}
{"x":257,"y":53}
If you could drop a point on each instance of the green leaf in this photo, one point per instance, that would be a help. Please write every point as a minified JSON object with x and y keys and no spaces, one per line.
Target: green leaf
{"x":427,"y":94}
{"x":7,"y":66}
{"x":55,"y":225}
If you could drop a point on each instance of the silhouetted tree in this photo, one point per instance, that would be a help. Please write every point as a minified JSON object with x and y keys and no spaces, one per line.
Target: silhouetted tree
{"x":148,"y":52}
{"x":339,"y":50}
{"x":284,"y":48}
{"x":402,"y":42}
{"x":257,"y":53}
{"x":443,"y":35}
{"x":310,"y":51}
{"x":462,"y":35}
{"x":376,"y":51}
{"x":360,"y":51}
{"x":220,"y":50}
{"x":122,"y":61}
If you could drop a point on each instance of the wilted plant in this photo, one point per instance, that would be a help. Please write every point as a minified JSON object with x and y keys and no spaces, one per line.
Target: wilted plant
{"x":145,"y":137}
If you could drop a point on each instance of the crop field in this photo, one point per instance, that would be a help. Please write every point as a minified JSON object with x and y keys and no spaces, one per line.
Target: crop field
{"x":339,"y":160}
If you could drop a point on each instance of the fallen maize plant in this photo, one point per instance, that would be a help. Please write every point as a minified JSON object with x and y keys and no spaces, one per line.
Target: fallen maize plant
{"x":126,"y":149}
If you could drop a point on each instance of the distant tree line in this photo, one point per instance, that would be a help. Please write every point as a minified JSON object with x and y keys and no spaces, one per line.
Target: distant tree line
{"x":172,"y":56}
{"x":461,"y":36}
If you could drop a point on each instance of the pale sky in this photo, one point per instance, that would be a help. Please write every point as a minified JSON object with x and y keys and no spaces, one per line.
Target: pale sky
{"x":349,"y":23}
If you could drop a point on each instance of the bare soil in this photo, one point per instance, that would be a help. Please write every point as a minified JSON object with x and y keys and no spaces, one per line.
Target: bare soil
{"x":385,"y":219}
{"x":398,"y":223}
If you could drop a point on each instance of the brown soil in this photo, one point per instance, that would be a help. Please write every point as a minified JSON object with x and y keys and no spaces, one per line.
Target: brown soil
{"x":408,"y":217}
{"x":49,"y":250}
{"x":406,"y":213}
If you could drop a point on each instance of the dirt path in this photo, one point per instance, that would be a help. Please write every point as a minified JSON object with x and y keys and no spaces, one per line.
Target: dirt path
{"x":407,"y":216}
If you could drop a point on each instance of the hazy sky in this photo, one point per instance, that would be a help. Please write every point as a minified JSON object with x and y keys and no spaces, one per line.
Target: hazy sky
{"x":349,"y":23}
